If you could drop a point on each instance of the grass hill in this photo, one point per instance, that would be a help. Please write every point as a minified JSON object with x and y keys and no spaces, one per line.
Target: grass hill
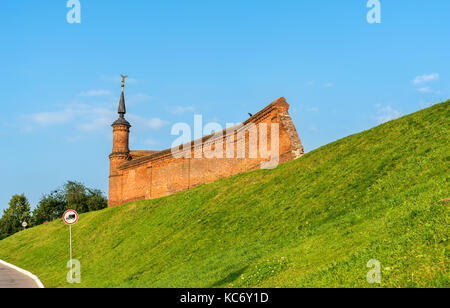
{"x":312,"y":222}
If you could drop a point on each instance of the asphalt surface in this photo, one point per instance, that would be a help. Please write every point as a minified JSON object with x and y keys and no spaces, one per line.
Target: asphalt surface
{"x":10,"y":278}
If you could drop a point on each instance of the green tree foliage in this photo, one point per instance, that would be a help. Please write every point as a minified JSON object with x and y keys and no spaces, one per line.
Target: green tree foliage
{"x":73,"y":195}
{"x":50,"y":206}
{"x":76,"y":196}
{"x":17,"y":212}
{"x":96,"y":201}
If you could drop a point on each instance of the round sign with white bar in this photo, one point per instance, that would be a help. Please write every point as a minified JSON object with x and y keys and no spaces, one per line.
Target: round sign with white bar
{"x":24,"y":224}
{"x":70,"y":217}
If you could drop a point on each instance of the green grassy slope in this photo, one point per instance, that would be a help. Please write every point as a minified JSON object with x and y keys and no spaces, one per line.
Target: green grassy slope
{"x":315,"y":221}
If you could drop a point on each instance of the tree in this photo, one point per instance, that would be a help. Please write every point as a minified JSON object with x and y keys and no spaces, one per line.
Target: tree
{"x":17,"y":212}
{"x":50,"y":207}
{"x":83,"y":199}
{"x":73,"y":195}
{"x":76,"y":196}
{"x":96,"y":200}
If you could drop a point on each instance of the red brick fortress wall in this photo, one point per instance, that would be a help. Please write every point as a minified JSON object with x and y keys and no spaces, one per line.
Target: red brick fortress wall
{"x":138,"y":175}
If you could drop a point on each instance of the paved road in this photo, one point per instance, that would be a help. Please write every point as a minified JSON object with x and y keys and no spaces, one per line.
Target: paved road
{"x":10,"y":278}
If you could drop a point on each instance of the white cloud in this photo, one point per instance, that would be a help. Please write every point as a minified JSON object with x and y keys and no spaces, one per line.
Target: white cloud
{"x":427,"y":90}
{"x":51,"y":118}
{"x":156,"y":123}
{"x":88,"y":118}
{"x":426,"y":78}
{"x":96,"y":119}
{"x":142,"y":124}
{"x":386,"y":114}
{"x":328,"y":85}
{"x":180,"y":109}
{"x":91,"y":118}
{"x":95,"y":93}
{"x":313,"y":109}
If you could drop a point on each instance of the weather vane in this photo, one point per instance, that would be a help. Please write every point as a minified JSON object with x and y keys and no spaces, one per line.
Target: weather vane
{"x":123,"y":80}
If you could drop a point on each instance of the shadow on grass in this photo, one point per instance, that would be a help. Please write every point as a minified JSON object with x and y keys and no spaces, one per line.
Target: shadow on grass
{"x":230,"y":278}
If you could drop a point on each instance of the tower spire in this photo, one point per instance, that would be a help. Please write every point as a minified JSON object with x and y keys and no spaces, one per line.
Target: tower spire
{"x":122,"y":110}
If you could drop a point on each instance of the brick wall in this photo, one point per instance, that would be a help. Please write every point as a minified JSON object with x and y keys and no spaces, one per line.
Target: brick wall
{"x":138,"y":175}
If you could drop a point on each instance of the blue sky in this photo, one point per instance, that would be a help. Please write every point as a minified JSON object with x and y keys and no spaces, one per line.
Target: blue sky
{"x":60,"y":82}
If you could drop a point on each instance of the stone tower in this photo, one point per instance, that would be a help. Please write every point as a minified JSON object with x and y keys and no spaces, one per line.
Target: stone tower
{"x":120,"y":152}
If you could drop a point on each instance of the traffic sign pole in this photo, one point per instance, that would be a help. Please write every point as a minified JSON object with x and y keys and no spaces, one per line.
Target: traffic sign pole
{"x":70,"y":217}
{"x":70,"y":227}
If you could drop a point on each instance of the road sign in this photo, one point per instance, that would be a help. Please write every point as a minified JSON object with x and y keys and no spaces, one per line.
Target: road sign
{"x":70,"y":217}
{"x":24,"y":224}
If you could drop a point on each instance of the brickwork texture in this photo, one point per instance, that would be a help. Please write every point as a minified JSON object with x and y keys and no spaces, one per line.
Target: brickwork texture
{"x":138,"y":175}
